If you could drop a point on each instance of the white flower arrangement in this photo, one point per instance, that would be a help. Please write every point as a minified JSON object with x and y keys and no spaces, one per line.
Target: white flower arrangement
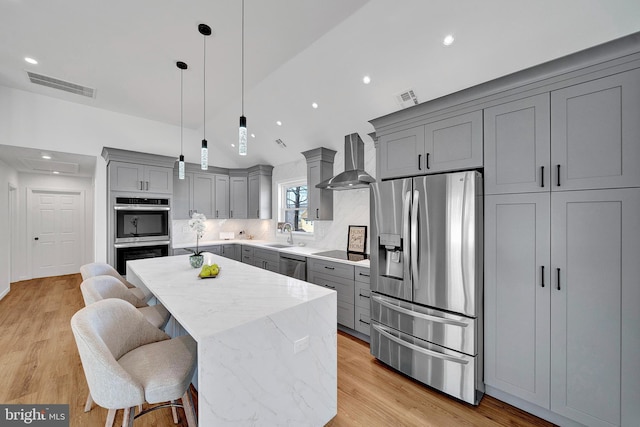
{"x":197,"y":224}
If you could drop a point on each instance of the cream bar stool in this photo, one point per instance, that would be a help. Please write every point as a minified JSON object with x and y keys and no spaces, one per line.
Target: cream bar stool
{"x":104,"y":269}
{"x":127,"y":361}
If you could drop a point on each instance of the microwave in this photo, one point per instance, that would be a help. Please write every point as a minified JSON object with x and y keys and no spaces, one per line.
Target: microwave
{"x":141,"y":220}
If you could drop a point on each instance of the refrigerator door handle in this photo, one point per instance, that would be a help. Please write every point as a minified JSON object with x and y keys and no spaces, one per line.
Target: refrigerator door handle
{"x":417,"y":314}
{"x":406,"y":217}
{"x":383,"y":331}
{"x":414,"y":234}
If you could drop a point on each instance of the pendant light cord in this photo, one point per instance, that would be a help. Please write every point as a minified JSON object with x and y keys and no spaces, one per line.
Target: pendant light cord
{"x":204,"y":89}
{"x":242,"y":57}
{"x":181,"y":109}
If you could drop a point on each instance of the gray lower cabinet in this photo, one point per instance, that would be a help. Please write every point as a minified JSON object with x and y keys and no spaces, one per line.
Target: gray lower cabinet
{"x":454,"y":143}
{"x":565,"y":337}
{"x":267,"y":259}
{"x":214,"y":249}
{"x":362,"y":300}
{"x":181,"y":251}
{"x":517,"y":146}
{"x":246,"y":254}
{"x":231,"y":251}
{"x":339,"y":277}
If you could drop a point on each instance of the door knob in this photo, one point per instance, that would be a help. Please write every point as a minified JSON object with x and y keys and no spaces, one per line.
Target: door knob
{"x":36,"y":238}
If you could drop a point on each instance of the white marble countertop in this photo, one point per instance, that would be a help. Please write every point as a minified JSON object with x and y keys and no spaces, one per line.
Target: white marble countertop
{"x":307,"y":251}
{"x":240,"y":294}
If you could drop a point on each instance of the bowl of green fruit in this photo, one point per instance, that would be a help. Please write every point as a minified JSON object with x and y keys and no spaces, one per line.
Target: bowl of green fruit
{"x":209,"y":271}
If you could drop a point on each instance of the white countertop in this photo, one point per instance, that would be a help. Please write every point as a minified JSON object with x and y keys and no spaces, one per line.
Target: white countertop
{"x":307,"y":251}
{"x":240,"y":294}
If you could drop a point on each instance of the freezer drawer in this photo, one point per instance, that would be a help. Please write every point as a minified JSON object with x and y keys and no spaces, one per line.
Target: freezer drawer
{"x":448,"y":330}
{"x":456,"y":374}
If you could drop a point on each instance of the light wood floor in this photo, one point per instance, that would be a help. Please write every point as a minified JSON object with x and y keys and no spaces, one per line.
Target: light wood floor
{"x":39,"y":364}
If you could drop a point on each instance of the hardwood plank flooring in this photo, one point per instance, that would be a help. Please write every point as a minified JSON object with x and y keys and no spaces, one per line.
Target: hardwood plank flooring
{"x":40,"y":365}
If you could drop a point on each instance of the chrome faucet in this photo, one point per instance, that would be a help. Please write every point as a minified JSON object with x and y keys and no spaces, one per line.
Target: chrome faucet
{"x":290,"y":238}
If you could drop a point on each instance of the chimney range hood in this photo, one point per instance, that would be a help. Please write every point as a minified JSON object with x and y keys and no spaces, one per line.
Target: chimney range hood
{"x":354,"y":175}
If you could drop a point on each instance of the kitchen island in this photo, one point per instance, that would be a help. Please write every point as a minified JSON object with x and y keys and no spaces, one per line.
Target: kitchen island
{"x":267,"y":350}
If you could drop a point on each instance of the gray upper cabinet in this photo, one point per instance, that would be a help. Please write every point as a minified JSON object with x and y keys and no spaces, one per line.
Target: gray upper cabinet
{"x":203,"y":199}
{"x":517,"y":146}
{"x":445,"y":145}
{"x":319,"y":168}
{"x":182,"y":194}
{"x":194,"y":193}
{"x":140,"y":178}
{"x":222,"y":196}
{"x":517,"y":292}
{"x":260,"y":192}
{"x":238,"y":197}
{"x":595,"y":133}
{"x":595,"y":244}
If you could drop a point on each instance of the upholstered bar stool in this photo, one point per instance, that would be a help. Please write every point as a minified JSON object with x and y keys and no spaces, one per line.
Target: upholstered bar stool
{"x":104,"y":269}
{"x":127,"y":361}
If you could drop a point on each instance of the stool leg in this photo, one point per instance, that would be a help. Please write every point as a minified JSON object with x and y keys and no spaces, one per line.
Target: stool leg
{"x":187,"y":403}
{"x":87,"y":406}
{"x":174,"y":412}
{"x":111,"y":416}
{"x":125,"y":417}
{"x":131,"y":416}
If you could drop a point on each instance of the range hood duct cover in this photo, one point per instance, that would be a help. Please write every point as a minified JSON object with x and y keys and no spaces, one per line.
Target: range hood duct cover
{"x":354,"y":175}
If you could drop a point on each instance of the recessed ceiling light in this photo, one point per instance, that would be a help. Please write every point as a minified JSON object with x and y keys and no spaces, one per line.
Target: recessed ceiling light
{"x":233,"y":145}
{"x":56,"y":172}
{"x":279,"y":123}
{"x":46,"y":157}
{"x":31,"y":60}
{"x":314,"y":105}
{"x":366,"y":80}
{"x":253,"y":135}
{"x":448,"y":40}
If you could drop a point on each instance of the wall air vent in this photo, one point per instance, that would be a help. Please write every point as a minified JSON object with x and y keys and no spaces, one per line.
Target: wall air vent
{"x":54,"y":83}
{"x":407,"y":99}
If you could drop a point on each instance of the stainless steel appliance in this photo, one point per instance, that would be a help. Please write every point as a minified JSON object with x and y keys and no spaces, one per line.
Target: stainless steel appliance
{"x":141,"y":228}
{"x":427,"y":280}
{"x":344,"y":255}
{"x":293,"y":266}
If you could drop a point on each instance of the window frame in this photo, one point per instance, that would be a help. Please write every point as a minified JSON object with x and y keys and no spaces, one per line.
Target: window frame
{"x":282,"y":197}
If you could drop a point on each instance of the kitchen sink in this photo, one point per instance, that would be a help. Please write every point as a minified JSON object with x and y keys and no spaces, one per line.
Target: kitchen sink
{"x":278,"y":245}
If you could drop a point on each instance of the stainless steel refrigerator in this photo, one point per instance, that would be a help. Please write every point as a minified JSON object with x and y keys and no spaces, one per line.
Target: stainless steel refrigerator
{"x":427,"y":280}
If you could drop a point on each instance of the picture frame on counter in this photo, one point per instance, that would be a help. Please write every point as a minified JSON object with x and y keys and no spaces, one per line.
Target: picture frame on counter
{"x":357,"y":239}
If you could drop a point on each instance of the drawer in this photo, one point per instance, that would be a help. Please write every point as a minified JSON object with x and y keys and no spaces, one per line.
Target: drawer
{"x":247,"y":259}
{"x":345,"y":314}
{"x":247,"y":250}
{"x":345,"y":291}
{"x":362,"y":275}
{"x":362,"y":295}
{"x":332,"y":268}
{"x":266,"y":254}
{"x":362,"y":320}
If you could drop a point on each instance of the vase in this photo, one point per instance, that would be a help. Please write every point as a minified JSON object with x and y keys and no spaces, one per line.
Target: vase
{"x":196,"y":261}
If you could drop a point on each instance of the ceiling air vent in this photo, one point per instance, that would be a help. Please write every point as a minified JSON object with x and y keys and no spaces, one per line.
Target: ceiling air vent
{"x":280,"y":143}
{"x":54,"y":83}
{"x":407,"y":99}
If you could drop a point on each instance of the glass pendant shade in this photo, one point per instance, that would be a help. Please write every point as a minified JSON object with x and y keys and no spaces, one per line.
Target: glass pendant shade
{"x":204,"y":156}
{"x":181,"y":167}
{"x":242,"y":141}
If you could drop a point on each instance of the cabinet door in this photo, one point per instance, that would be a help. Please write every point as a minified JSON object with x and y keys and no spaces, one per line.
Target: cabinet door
{"x":238,"y":197}
{"x":158,"y":179}
{"x":254,"y":197}
{"x":204,"y":194}
{"x":517,"y":147}
{"x":595,"y":133}
{"x":259,"y":197}
{"x":595,"y":338}
{"x":222,"y":196}
{"x":453,"y":144}
{"x":320,"y":201}
{"x":182,"y":194}
{"x":517,"y":291}
{"x":126,"y":177}
{"x":402,"y":153}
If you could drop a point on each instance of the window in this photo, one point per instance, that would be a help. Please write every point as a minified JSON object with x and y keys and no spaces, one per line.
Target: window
{"x":293,"y":206}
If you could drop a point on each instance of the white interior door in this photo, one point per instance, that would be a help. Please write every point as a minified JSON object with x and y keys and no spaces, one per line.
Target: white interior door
{"x":57,"y":221}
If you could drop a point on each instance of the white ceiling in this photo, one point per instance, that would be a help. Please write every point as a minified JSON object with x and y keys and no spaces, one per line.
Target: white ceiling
{"x":296,"y":53}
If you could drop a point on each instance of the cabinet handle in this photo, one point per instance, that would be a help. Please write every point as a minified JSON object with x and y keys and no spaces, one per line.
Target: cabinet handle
{"x":141,"y":188}
{"x":216,"y":213}
{"x":362,"y":274}
{"x":231,"y":214}
{"x":362,"y":321}
{"x":330,"y":287}
{"x":258,"y":213}
{"x":542,"y":176}
{"x":146,"y":183}
{"x":542,"y":273}
{"x":419,"y":162}
{"x":317,"y":213}
{"x":427,"y":160}
{"x":329,"y":268}
{"x":558,"y":271}
{"x":364,"y":296}
{"x":558,"y":167}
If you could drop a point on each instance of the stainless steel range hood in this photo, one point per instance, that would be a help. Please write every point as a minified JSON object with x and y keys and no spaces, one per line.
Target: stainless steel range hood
{"x":354,"y":175}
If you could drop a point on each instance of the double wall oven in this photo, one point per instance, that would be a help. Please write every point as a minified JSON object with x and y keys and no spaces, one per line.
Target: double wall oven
{"x":141,"y":229}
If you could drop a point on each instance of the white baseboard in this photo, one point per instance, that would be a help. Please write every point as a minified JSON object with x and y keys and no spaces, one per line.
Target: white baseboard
{"x":5,"y":292}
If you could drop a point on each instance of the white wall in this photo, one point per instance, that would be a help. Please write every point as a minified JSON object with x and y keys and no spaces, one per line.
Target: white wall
{"x":8,"y":176}
{"x":32,"y":181}
{"x":41,"y":122}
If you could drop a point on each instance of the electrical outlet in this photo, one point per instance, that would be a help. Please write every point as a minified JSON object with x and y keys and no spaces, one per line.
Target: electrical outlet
{"x":301,"y":344}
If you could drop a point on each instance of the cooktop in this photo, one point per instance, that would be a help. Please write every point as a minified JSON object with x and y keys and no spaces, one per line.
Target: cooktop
{"x":349,"y":256}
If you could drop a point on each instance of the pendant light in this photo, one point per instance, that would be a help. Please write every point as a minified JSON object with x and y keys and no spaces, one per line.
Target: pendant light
{"x":182,"y":66}
{"x":205,"y":30}
{"x":242,"y":142}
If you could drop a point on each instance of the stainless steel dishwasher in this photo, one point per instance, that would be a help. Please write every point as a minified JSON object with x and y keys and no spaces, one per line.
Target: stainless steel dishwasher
{"x":293,"y":266}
